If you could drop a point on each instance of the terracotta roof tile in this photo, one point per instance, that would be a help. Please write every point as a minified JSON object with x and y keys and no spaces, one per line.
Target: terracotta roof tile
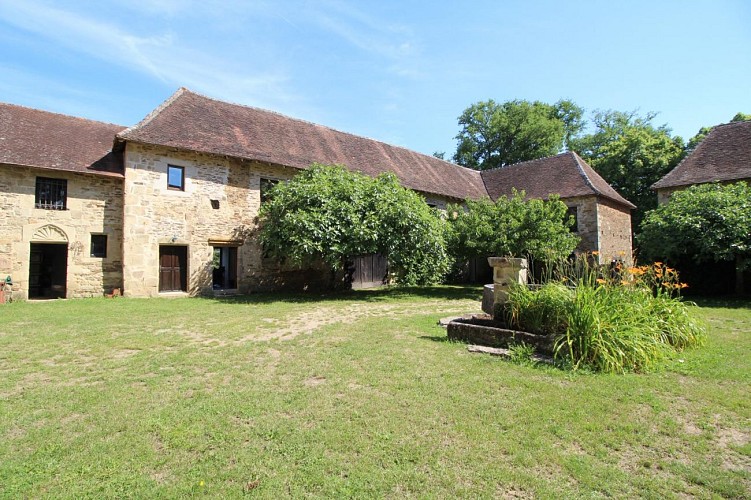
{"x":194,"y":122}
{"x":723,"y":155}
{"x":35,"y":138}
{"x":566,"y":175}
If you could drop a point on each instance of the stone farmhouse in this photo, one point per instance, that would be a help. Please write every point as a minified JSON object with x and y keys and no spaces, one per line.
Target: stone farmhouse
{"x":169,"y":206}
{"x":723,"y":156}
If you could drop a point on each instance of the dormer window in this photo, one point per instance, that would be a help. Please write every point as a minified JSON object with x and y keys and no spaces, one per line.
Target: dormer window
{"x":176,"y":177}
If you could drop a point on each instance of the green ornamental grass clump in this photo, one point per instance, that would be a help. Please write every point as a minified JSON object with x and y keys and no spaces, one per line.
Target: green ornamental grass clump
{"x":630,"y":320}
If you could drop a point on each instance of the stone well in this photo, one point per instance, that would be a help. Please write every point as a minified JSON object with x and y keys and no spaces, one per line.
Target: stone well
{"x":492,"y":331}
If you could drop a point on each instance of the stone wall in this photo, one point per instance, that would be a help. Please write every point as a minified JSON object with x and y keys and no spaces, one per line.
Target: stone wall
{"x":663,"y":195}
{"x":156,"y":215}
{"x":614,"y":223}
{"x":586,"y":219}
{"x":94,"y":206}
{"x":603,"y":227}
{"x":438,"y":201}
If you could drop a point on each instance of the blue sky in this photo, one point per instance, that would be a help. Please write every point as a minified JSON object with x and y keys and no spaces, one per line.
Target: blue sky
{"x":397,"y":71}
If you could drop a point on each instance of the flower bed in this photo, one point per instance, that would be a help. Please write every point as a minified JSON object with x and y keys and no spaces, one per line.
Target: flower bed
{"x":612,"y":319}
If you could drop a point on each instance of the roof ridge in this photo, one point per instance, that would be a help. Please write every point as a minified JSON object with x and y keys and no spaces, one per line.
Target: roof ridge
{"x":155,"y":112}
{"x":587,"y":180}
{"x":618,"y":198}
{"x":528,"y":161}
{"x":699,"y":147}
{"x":301,"y":120}
{"x":60,"y":114}
{"x":741,"y":122}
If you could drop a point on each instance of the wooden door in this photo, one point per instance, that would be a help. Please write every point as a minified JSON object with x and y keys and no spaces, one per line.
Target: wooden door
{"x":173,"y":268}
{"x":369,"y":271}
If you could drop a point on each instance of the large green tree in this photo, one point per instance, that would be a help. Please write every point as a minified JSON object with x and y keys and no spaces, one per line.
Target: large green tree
{"x":499,"y":134}
{"x":332,"y":214}
{"x":631,"y":154}
{"x":511,"y":226}
{"x":707,"y":222}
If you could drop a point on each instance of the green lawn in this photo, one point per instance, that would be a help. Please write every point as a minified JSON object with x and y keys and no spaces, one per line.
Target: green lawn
{"x":349,"y":395}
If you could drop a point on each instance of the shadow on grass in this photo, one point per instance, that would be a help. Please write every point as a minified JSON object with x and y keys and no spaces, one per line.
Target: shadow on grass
{"x":383,"y":294}
{"x":723,"y":302}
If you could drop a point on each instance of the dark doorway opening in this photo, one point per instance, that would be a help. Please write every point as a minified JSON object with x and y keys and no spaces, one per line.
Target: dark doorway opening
{"x":173,"y":268}
{"x":48,"y":270}
{"x":224,"y":276}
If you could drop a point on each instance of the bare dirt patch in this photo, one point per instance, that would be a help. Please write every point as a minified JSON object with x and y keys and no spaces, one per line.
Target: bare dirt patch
{"x":314,"y":381}
{"x":309,"y":321}
{"x":124,"y":353}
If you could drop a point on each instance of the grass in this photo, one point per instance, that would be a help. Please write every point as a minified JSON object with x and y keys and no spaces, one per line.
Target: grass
{"x":350,"y":395}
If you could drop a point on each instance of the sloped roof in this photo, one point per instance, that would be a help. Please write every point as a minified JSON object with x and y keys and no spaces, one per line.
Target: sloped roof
{"x":35,"y":138}
{"x":194,"y":122}
{"x":723,"y":155}
{"x":566,"y":175}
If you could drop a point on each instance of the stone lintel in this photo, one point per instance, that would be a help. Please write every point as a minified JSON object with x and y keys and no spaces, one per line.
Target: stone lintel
{"x":223,"y":242}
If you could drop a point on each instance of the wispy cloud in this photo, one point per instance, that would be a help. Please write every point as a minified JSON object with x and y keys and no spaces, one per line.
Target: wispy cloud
{"x":393,"y":42}
{"x":162,"y":55}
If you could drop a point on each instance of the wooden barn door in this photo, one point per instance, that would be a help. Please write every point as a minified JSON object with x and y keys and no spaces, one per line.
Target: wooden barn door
{"x":173,"y":268}
{"x":369,"y":271}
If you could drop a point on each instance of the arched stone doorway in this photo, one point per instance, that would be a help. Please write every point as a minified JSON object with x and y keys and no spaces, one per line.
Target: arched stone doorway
{"x":48,"y":263}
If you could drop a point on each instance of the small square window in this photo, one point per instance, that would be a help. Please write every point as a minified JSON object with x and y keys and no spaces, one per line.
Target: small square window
{"x":99,"y":245}
{"x":176,"y":177}
{"x":215,"y":204}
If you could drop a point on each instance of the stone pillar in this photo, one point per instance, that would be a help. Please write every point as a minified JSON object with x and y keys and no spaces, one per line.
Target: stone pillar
{"x":506,"y":270}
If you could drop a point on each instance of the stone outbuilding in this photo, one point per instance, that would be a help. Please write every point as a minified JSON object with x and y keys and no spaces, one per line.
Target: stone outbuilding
{"x":723,"y":156}
{"x":603,"y":217}
{"x":61,"y":208}
{"x":169,"y":206}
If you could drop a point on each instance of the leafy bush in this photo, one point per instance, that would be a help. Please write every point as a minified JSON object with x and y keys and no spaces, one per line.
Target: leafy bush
{"x":511,"y":226}
{"x":332,"y":214}
{"x":613,"y":323}
{"x":708,"y":222}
